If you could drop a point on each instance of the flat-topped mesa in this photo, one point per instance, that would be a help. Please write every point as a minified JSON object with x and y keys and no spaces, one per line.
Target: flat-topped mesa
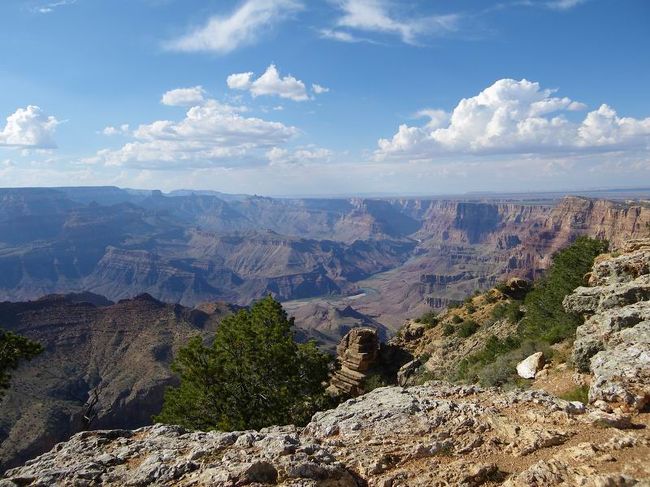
{"x":357,"y":353}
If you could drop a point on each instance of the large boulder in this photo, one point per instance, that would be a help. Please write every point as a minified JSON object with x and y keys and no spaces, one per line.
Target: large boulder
{"x":407,"y":371}
{"x":529,"y":367}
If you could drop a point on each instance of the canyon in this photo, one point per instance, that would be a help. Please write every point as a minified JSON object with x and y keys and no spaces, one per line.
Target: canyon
{"x":434,"y":433}
{"x":112,"y":282}
{"x":384,"y":258}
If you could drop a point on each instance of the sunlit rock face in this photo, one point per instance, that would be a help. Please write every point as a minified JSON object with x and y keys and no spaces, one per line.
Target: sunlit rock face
{"x":357,"y":353}
{"x":614,"y":342}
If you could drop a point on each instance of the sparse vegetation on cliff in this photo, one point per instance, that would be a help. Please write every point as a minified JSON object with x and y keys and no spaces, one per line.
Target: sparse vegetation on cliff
{"x":430,"y":318}
{"x":13,"y":349}
{"x":515,"y":320}
{"x":252,"y":375}
{"x":545,"y":317}
{"x":543,"y":323}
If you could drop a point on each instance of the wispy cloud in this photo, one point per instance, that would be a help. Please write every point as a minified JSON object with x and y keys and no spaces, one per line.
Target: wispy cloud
{"x":318,"y":89}
{"x":224,"y":34}
{"x":551,"y":4}
{"x":278,"y":156}
{"x":564,"y":4}
{"x":52,"y":6}
{"x":341,"y":36}
{"x":385,"y":17}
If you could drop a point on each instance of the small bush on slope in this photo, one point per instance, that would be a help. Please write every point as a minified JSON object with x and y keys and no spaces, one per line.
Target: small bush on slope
{"x":510,"y":311}
{"x":253,"y":375}
{"x":467,"y":328}
{"x":430,"y":318}
{"x":13,"y":349}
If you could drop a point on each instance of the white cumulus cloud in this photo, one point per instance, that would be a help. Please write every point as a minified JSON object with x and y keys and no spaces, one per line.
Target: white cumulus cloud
{"x":210,"y":134}
{"x":29,"y":128}
{"x":240,"y":81}
{"x":269,"y":84}
{"x":184,"y":97}
{"x":515,"y":117}
{"x":223,"y":34}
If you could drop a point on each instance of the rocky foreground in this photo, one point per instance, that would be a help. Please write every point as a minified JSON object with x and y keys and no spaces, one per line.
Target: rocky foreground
{"x":436,"y":434}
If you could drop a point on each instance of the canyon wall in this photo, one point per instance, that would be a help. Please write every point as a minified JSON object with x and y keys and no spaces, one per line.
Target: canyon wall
{"x":189,"y":248}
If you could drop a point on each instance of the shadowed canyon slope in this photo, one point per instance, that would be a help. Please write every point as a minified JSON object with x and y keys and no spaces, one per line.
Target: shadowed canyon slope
{"x":105,"y":365}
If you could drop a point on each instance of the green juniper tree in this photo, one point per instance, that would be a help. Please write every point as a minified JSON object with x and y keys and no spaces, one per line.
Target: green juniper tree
{"x":13,"y":349}
{"x":253,"y":375}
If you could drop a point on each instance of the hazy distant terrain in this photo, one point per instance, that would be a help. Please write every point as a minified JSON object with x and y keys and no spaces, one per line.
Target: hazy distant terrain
{"x":394,"y":256}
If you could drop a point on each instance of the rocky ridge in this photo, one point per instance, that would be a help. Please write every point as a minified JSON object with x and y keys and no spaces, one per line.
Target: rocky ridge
{"x":436,"y":434}
{"x":614,"y":342}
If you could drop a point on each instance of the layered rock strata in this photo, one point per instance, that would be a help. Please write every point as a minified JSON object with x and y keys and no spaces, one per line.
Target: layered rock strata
{"x":357,"y":353}
{"x":614,"y":342}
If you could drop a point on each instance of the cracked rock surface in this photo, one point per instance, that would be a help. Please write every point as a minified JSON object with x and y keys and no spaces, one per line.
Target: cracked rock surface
{"x":435,"y":434}
{"x":614,"y":342}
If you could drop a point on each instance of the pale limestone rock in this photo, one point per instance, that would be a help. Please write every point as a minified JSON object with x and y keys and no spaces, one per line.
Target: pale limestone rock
{"x":528,"y":367}
{"x":614,"y":342}
{"x":436,"y":434}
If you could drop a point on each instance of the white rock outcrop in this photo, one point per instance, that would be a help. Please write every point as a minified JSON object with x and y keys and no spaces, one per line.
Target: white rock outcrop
{"x":529,"y":367}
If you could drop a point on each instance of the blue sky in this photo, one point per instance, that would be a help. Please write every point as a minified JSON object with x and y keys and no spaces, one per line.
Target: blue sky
{"x":320,"y":97}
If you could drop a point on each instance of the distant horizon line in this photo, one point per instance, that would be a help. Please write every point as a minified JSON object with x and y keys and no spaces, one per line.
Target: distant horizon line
{"x":487,"y":193}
